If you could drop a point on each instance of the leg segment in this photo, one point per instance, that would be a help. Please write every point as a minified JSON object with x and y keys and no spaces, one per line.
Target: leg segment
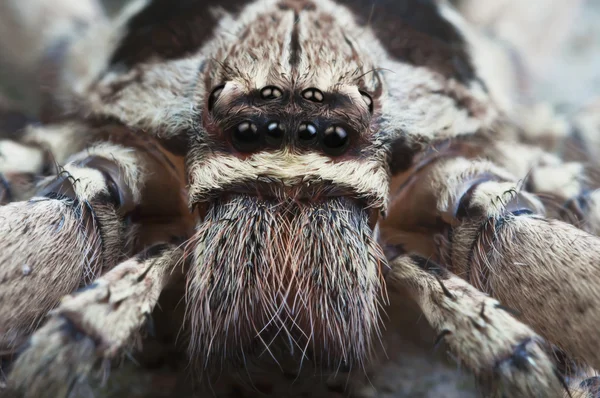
{"x":546,"y":269}
{"x":508,"y":357}
{"x":563,"y":187}
{"x":107,"y":203}
{"x":33,"y":153}
{"x":75,"y":229}
{"x":93,"y":324}
{"x":495,"y":236}
{"x":30,"y":283}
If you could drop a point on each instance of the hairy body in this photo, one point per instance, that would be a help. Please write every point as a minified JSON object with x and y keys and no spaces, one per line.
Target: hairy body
{"x":327,"y":151}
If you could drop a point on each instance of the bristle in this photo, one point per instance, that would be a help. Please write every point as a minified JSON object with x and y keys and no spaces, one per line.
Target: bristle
{"x":306,"y":272}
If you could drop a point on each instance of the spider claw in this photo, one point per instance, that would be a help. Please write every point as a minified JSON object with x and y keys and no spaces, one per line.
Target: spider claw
{"x":520,"y":357}
{"x":150,"y":328}
{"x":511,"y":311}
{"x":447,"y":292}
{"x":440,"y":337}
{"x":562,"y":381}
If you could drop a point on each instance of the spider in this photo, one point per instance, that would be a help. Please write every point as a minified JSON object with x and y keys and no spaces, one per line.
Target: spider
{"x":283,"y":168}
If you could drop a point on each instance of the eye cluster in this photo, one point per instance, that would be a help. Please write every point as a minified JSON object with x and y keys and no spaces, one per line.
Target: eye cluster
{"x":249,"y":136}
{"x":256,"y":134}
{"x":332,"y":139}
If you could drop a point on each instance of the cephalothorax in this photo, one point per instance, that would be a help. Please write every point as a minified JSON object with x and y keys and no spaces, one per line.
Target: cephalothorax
{"x":278,"y":166}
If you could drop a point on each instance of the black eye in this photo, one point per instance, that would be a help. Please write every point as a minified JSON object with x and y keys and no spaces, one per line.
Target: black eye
{"x":313,"y":94}
{"x":368,"y":100}
{"x":307,"y":131}
{"x":335,"y":140}
{"x":245,"y":137}
{"x":214,"y":96}
{"x":270,"y":92}
{"x":275,"y":133}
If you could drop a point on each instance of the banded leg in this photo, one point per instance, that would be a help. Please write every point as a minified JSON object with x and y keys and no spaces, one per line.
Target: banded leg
{"x":546,"y":269}
{"x":565,"y":188}
{"x":77,"y":227}
{"x":33,"y":153}
{"x":93,"y":325}
{"x":507,"y":357}
{"x":499,"y":241}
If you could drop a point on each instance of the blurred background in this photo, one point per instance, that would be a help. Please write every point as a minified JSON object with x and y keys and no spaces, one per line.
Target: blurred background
{"x":558,"y":40}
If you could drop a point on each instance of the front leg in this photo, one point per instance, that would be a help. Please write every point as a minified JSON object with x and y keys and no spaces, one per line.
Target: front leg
{"x":74,"y":229}
{"x":93,"y":324}
{"x":546,"y":269}
{"x":508,"y":358}
{"x":81,"y":224}
{"x":494,"y":235}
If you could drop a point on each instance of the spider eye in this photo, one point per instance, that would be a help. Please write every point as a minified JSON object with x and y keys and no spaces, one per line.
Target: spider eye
{"x":275,"y":133}
{"x":270,"y":92}
{"x":214,"y":96}
{"x":368,"y":100}
{"x":335,"y":140}
{"x":313,"y":94}
{"x":245,"y":137}
{"x":307,"y":132}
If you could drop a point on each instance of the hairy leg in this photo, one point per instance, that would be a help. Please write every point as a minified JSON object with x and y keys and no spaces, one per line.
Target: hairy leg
{"x":566,"y":188}
{"x":93,"y":325}
{"x":507,"y":357}
{"x":546,"y":269}
{"x":33,"y":153}
{"x":107,"y":203}
{"x":494,"y":235}
{"x":73,"y":230}
{"x":80,"y":224}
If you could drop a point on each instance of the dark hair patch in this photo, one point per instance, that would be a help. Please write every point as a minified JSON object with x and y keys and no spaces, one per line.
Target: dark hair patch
{"x":413,"y":31}
{"x":170,"y":29}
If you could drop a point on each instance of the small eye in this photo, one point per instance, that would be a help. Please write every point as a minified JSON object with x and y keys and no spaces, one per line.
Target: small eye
{"x":335,"y":140}
{"x":245,"y":137}
{"x":275,"y":133}
{"x":214,"y":96}
{"x":270,"y":92}
{"x":307,"y":131}
{"x":313,"y":94}
{"x":368,"y":100}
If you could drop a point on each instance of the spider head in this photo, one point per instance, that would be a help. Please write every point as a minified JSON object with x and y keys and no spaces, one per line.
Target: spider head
{"x":289,"y":173}
{"x":290,"y":180}
{"x":289,"y":142}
